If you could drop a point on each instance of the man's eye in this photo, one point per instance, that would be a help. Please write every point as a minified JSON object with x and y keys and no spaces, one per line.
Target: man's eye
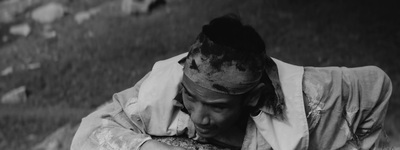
{"x":189,"y":97}
{"x":219,"y":108}
{"x":187,"y":94}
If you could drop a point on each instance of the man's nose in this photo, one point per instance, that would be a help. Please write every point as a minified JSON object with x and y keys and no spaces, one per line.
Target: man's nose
{"x":200,"y":116}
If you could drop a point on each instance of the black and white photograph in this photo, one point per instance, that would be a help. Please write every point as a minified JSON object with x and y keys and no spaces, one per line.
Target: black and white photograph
{"x":199,"y":75}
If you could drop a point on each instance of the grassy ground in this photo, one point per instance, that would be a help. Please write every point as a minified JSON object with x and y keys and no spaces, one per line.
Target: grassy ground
{"x":87,"y":63}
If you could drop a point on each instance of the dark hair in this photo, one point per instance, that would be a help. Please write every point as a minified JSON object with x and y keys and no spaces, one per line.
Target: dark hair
{"x":233,"y":41}
{"x":229,"y":31}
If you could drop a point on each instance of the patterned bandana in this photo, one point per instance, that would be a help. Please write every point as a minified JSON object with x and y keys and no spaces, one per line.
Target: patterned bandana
{"x":210,"y":67}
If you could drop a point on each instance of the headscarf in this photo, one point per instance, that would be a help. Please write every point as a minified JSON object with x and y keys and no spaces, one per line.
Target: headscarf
{"x":230,"y":58}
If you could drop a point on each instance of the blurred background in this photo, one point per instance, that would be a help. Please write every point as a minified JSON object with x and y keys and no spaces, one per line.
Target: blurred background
{"x":61,"y":59}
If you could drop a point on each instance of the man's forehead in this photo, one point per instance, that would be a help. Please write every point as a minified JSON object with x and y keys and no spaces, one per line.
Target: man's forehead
{"x":206,"y":95}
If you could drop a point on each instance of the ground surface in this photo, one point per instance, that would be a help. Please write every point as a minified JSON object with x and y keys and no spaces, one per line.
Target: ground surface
{"x":86,"y":63}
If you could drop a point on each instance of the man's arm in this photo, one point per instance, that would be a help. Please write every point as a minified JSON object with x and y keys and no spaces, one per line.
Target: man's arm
{"x":346,"y":106}
{"x":369,"y":89}
{"x":110,"y":128}
{"x":375,"y":88}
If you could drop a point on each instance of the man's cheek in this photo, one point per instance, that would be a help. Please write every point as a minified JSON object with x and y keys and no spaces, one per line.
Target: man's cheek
{"x":229,"y":117}
{"x":221,"y":118}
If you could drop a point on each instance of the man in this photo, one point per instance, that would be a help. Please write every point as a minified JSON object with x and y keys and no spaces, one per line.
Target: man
{"x":228,"y":92}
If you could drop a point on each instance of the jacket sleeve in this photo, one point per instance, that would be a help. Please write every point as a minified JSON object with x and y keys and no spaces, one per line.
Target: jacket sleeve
{"x":374,"y":90}
{"x":346,"y":106}
{"x":368,"y":90}
{"x":110,"y":128}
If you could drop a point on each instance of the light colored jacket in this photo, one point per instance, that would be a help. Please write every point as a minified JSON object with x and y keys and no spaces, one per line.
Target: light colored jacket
{"x":149,"y":109}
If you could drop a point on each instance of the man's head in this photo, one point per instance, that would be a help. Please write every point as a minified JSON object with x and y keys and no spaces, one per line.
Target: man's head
{"x":223,"y":66}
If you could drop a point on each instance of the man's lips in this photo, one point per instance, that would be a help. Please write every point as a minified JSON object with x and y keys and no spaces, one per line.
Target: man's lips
{"x":203,"y":130}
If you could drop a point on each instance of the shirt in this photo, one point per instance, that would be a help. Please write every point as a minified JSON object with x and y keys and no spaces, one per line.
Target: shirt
{"x":327,"y":108}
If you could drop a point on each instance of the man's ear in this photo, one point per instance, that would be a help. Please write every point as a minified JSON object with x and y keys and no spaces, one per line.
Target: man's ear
{"x":253,"y":96}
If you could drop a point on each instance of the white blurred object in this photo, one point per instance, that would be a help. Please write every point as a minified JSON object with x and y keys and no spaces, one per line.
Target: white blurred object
{"x":48,"y":31}
{"x":33,"y":66}
{"x":7,"y":71}
{"x":21,"y":29}
{"x":49,"y":34}
{"x":85,"y":15}
{"x":14,"y":96}
{"x":82,"y":16}
{"x":136,"y":6}
{"x":10,"y":69}
{"x":48,"y":13}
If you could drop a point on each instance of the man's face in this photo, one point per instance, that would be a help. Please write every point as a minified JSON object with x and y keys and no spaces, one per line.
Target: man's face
{"x":211,"y":112}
